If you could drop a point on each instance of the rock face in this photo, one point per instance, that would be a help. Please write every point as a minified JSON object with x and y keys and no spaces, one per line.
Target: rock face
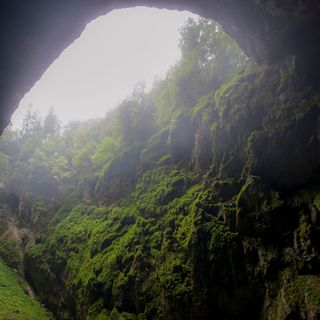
{"x":218,"y":222}
{"x":238,"y":242}
{"x":33,"y":33}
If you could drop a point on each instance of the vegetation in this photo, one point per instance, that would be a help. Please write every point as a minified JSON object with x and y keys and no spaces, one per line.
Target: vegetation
{"x":164,"y":209}
{"x":14,"y":300}
{"x":10,"y":254}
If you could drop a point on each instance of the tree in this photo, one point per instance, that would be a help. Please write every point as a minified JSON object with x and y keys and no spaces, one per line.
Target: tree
{"x":136,"y":118}
{"x":4,"y":164}
{"x":51,"y":124}
{"x":31,"y":124}
{"x":209,"y":57}
{"x":105,"y":150}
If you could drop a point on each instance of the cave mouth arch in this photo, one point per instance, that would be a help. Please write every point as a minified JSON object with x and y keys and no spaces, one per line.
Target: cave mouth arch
{"x":34,"y":33}
{"x":115,"y":53}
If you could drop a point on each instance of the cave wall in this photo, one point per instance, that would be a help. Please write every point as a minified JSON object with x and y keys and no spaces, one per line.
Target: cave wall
{"x":34,"y":33}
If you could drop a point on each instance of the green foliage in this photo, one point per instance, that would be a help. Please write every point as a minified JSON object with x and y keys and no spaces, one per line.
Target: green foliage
{"x":210,"y":57}
{"x":14,"y":300}
{"x":35,"y":251}
{"x":135,"y":119}
{"x":52,"y":164}
{"x":138,"y":211}
{"x":10,"y":254}
{"x":160,"y":186}
{"x":133,"y":252}
{"x":138,"y":252}
{"x":156,"y":147}
{"x":51,"y":125}
{"x":105,"y":152}
{"x":31,"y":125}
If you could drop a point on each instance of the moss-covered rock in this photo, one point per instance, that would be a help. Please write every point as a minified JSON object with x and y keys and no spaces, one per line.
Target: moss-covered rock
{"x":297,"y":298}
{"x":214,"y":216}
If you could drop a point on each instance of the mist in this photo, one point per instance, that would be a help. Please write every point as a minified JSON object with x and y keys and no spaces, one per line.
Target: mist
{"x":101,"y":68}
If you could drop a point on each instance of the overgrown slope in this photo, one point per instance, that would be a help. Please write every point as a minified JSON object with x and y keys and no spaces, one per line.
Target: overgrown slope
{"x":199,"y":200}
{"x":15,"y":303}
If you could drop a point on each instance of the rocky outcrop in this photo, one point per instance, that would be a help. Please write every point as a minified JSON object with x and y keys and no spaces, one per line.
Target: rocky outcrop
{"x":34,"y":33}
{"x":221,"y":222}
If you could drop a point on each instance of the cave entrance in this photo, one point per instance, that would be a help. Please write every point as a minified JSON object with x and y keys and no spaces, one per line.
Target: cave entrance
{"x":47,"y":169}
{"x":34,"y":33}
{"x":115,"y":52}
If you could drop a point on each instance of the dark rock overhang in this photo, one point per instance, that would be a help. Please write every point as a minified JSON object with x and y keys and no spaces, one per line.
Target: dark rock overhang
{"x":33,"y":33}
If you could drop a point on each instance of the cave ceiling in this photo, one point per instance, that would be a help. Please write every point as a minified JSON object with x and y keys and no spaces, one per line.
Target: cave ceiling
{"x":33,"y":33}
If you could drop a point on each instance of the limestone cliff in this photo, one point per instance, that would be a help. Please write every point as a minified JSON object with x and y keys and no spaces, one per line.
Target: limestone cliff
{"x":221,"y":221}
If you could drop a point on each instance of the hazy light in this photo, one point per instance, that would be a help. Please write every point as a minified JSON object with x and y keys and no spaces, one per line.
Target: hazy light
{"x":101,"y":67}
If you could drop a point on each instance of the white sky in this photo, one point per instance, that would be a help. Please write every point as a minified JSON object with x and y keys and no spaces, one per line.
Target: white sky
{"x":100,"y":68}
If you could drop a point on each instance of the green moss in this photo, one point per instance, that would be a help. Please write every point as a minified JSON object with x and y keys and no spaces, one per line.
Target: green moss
{"x":116,"y":315}
{"x":287,"y":71}
{"x":309,"y":286}
{"x":203,"y":110}
{"x":163,"y":250}
{"x":35,"y":251}
{"x":221,"y":239}
{"x":223,"y":93}
{"x":125,"y":252}
{"x":297,"y":295}
{"x":158,"y":187}
{"x":164,"y":160}
{"x":97,"y":311}
{"x":239,"y":197}
{"x":185,"y":231}
{"x":156,"y":148}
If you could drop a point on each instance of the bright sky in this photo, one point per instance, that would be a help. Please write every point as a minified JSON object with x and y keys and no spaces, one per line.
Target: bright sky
{"x":100,"y":69}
